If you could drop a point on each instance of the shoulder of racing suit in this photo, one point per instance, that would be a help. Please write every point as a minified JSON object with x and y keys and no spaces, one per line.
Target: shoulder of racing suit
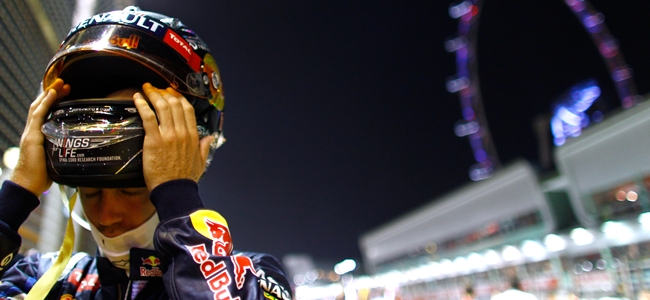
{"x":198,"y":245}
{"x":196,"y":259}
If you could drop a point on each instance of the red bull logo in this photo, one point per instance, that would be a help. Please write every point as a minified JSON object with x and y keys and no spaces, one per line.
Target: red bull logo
{"x":221,"y":240}
{"x":213,"y":226}
{"x":241,"y":264}
{"x":215,"y":274}
{"x":215,"y":268}
{"x":151,"y":261}
{"x":130,"y":43}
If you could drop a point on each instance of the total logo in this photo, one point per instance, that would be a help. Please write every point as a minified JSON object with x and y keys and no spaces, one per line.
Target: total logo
{"x":179,"y":44}
{"x":183,"y":48}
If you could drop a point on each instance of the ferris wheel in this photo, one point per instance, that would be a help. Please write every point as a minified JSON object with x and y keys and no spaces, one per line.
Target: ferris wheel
{"x":465,"y":82}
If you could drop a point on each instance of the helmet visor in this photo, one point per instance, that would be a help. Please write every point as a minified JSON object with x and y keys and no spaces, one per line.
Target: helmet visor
{"x":180,"y":72}
{"x":91,"y":139}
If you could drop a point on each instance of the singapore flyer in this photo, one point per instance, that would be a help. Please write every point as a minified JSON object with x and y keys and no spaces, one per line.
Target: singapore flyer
{"x":465,"y":82}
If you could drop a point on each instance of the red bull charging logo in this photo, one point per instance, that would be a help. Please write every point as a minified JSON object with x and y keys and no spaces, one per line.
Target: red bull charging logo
{"x":213,"y":226}
{"x":153,"y":262}
{"x":241,"y":264}
{"x":217,"y":266}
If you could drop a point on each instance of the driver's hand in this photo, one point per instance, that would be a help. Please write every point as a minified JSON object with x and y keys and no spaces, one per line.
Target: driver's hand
{"x":171,"y":149}
{"x":31,"y":170}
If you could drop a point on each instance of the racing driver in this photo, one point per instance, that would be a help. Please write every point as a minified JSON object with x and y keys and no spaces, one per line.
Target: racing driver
{"x":131,"y":110}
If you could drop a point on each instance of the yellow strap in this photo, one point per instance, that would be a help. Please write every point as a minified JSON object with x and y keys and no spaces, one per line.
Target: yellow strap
{"x":46,"y":282}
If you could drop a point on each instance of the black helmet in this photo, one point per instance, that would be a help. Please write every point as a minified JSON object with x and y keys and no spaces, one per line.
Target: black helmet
{"x":97,"y":142}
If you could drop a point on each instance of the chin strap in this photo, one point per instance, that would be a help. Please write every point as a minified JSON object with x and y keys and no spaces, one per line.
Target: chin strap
{"x":44,"y":284}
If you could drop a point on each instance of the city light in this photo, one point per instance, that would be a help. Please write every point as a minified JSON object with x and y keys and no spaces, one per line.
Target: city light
{"x":569,"y":117}
{"x":476,"y":261}
{"x":10,"y":157}
{"x":511,"y":253}
{"x":533,"y":250}
{"x":617,"y":231}
{"x":581,"y":236}
{"x":554,"y":242}
{"x":492,"y":257}
{"x":644,"y":220}
{"x":446,"y":266}
{"x":313,"y":293}
{"x":345,"y":266}
{"x":460,"y":265}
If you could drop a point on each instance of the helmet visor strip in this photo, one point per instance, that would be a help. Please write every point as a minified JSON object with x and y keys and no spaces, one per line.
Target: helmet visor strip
{"x":92,"y":123}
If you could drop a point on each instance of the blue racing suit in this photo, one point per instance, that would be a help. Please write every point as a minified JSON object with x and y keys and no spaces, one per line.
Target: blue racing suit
{"x":193,"y":259}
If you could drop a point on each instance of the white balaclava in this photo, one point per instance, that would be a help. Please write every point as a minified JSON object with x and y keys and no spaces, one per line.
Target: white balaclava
{"x":117,"y":249}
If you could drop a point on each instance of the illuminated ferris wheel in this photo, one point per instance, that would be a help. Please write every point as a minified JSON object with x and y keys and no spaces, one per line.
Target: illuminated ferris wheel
{"x":568,"y":116}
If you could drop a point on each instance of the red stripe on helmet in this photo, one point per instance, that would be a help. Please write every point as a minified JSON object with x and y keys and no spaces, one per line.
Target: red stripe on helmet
{"x":183,"y":48}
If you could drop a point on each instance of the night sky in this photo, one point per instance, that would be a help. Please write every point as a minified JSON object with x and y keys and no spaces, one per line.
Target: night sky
{"x":337,"y":117}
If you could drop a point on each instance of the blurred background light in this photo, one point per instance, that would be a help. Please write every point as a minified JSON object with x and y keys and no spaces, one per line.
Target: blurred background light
{"x":511,"y":253}
{"x":475,"y":260}
{"x":533,"y":249}
{"x":10,"y":157}
{"x":460,"y":9}
{"x":581,"y":236}
{"x":644,"y":220}
{"x":492,"y":257}
{"x":446,"y":266}
{"x":345,"y":266}
{"x":554,"y":242}
{"x":617,"y":231}
{"x":569,"y":117}
{"x":460,"y":265}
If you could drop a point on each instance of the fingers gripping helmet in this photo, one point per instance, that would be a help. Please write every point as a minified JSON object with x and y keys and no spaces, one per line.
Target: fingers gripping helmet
{"x":97,"y":142}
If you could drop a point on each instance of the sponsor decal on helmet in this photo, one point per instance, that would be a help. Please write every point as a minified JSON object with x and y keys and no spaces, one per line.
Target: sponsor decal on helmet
{"x":123,"y":17}
{"x":216,"y":274}
{"x":212,"y":225}
{"x":181,"y":46}
{"x":66,"y":149}
{"x":150,"y":267}
{"x":272,"y":287}
{"x":129,"y":43}
{"x":211,"y":68}
{"x":196,"y":43}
